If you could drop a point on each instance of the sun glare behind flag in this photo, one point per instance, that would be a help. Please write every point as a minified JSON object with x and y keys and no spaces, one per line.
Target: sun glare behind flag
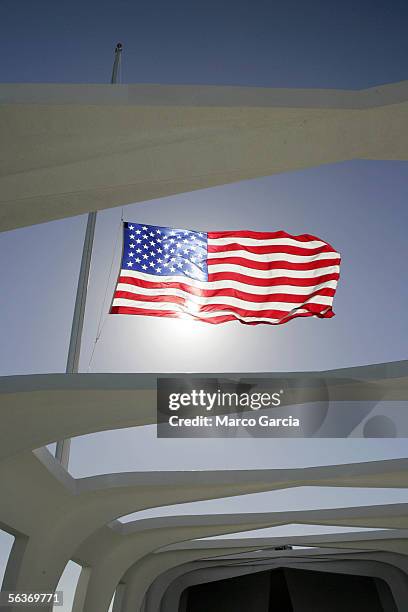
{"x":252,"y":277}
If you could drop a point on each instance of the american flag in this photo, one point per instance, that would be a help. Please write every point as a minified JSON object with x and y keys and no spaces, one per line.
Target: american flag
{"x":252,"y":277}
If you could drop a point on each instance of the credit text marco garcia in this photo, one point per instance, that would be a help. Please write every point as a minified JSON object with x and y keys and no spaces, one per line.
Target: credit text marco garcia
{"x":229,"y":421}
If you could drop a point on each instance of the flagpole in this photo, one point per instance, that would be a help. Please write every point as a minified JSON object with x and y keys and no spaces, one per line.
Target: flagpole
{"x":62,"y":451}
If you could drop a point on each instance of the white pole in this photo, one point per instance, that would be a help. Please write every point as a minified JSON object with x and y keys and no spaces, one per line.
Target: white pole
{"x":63,"y":446}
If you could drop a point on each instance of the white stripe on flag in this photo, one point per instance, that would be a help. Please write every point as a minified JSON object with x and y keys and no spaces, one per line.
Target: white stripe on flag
{"x":267,"y":257}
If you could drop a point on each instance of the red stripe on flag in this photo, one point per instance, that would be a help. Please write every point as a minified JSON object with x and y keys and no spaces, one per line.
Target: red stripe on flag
{"x":273,"y":265}
{"x":262,"y":235}
{"x":272,"y":282}
{"x":216,"y":319}
{"x":269,"y":249}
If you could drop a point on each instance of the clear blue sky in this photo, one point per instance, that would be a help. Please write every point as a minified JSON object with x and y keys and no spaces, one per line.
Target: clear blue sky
{"x":360,"y":207}
{"x":349,"y":44}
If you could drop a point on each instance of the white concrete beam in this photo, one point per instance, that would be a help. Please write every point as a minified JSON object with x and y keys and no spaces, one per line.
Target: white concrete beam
{"x":87,"y":147}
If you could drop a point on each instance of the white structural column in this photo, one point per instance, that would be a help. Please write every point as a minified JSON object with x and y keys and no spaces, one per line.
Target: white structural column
{"x":81,"y":589}
{"x":90,"y":147}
